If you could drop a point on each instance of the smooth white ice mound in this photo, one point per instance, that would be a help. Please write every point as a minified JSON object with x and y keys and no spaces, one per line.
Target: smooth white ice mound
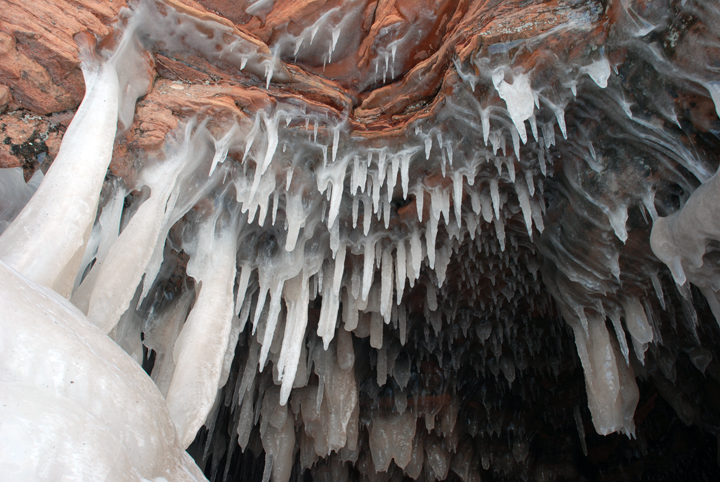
{"x":73,"y":404}
{"x":312,"y":234}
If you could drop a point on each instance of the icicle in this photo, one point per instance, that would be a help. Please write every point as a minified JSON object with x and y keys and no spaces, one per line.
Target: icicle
{"x":495,"y":193}
{"x":560,"y":116}
{"x":538,"y":217}
{"x":524,"y":200}
{"x":295,"y":216}
{"x":581,"y":430}
{"x":271,"y":321}
{"x":275,"y":201}
{"x":611,"y":387}
{"x":392,"y":179}
{"x":518,"y":97}
{"x":376,"y":185}
{"x":355,"y":208}
{"x":328,"y":312}
{"x":222,"y":146}
{"x":533,"y":127}
{"x":529,"y":180}
{"x":441,"y":264}
{"x":485,"y":116}
{"x":541,"y":161}
{"x":618,"y":221}
{"x":620,"y":334}
{"x":368,"y":269}
{"x":350,"y":312}
{"x":367,"y":216}
{"x":415,"y":252}
{"x":658,"y":289}
{"x":419,"y":200}
{"x":339,"y":268}
{"x":400,"y":269}
{"x":358,"y":177}
{"x":404,"y":174}
{"x":382,"y":157}
{"x":457,"y":196}
{"x":271,"y":126}
{"x":297,"y":296}
{"x":516,"y":143}
{"x":511,"y":168}
{"x":109,"y":225}
{"x":430,"y":237}
{"x":386,"y":213}
{"x":638,"y":326}
{"x":245,"y":271}
{"x":386,"y":289}
{"x":500,"y":231}
{"x":117,"y":279}
{"x":336,"y":142}
{"x":475,"y":202}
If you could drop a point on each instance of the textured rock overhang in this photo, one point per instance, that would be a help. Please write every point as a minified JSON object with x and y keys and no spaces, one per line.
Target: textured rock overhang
{"x":365,"y":238}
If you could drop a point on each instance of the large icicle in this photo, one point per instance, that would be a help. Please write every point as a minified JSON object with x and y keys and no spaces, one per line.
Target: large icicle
{"x":297,"y":296}
{"x":46,"y":241}
{"x":200,"y":348}
{"x":611,"y":388}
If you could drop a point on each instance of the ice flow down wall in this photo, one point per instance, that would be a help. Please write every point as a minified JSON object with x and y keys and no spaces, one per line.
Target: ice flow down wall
{"x":370,"y":239}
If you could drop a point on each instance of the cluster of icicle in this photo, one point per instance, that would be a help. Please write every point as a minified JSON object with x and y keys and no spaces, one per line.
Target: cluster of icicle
{"x":285,"y":208}
{"x":74,"y":406}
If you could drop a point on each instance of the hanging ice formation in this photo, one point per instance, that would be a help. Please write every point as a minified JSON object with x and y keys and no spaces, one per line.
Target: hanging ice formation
{"x":308,"y":286}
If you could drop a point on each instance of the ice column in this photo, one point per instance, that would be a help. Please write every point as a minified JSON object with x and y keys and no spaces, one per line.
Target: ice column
{"x":200,"y":348}
{"x":46,"y":241}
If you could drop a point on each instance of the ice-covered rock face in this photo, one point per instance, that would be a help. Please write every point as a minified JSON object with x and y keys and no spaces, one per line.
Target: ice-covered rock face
{"x":380,"y":239}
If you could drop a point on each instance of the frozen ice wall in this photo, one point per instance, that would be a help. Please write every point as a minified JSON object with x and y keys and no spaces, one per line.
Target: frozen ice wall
{"x":349,"y":287}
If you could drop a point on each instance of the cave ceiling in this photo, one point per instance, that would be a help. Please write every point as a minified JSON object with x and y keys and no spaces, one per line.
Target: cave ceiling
{"x":360,"y":240}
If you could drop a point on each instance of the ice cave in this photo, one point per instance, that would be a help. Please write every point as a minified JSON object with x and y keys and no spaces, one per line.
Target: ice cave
{"x":359,"y":240}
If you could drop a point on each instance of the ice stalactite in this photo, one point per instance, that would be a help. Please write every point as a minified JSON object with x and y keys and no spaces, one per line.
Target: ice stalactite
{"x":199,"y":350}
{"x":611,"y":388}
{"x":143,"y":238}
{"x":683,"y":242}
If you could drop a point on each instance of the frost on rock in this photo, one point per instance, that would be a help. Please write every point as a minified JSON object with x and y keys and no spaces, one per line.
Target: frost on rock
{"x":370,"y":291}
